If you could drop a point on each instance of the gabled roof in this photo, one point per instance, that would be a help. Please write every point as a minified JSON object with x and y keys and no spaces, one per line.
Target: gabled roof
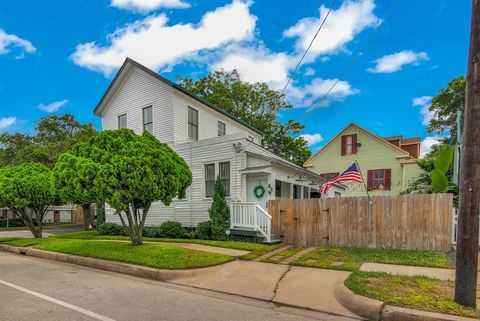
{"x":129,"y":61}
{"x":366,"y":132}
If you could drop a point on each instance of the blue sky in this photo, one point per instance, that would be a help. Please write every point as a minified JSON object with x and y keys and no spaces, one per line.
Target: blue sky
{"x":59,"y":56}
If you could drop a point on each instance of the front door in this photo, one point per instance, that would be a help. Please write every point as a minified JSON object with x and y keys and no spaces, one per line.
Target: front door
{"x":56,"y":216}
{"x":252,"y":182}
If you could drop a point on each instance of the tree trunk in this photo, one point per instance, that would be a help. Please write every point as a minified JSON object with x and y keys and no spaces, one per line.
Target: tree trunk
{"x":86,"y":216}
{"x":469,"y":197}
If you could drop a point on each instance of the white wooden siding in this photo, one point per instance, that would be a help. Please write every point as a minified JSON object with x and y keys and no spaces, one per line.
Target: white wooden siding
{"x":141,"y":90}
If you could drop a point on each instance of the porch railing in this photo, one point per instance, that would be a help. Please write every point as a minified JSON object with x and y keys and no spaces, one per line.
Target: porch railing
{"x":253,"y":216}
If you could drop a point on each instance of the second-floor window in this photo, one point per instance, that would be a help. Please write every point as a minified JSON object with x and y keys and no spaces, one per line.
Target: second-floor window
{"x":148,"y":119}
{"x":122,"y":121}
{"x":349,"y":144}
{"x":192,"y":123}
{"x":221,"y":128}
{"x":379,"y":179}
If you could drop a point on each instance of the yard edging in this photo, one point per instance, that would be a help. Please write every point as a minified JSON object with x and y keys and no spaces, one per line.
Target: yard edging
{"x":379,"y":311}
{"x":107,"y":265}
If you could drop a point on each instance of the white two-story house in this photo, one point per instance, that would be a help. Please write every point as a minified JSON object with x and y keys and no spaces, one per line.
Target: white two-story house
{"x":212,"y":142}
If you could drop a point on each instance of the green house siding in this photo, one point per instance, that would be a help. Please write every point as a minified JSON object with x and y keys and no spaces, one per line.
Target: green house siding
{"x":371,"y":154}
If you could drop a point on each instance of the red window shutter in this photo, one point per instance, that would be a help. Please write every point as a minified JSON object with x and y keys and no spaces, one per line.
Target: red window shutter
{"x":388,"y":179}
{"x":354,"y":143}
{"x":344,"y":145}
{"x":370,"y":180}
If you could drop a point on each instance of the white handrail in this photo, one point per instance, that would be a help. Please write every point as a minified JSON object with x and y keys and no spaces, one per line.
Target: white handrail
{"x":251,"y":215}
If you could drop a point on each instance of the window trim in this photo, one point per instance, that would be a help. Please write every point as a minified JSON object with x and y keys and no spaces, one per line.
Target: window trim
{"x":209,"y":180}
{"x":224,"y":128}
{"x":227,"y":191}
{"x":143,"y":118}
{"x":192,"y":124}
{"x":118,"y":120}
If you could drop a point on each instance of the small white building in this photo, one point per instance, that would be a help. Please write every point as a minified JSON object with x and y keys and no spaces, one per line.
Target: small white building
{"x":212,"y":142}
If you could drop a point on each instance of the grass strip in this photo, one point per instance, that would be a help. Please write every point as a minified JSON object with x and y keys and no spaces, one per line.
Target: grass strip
{"x":283,"y":255}
{"x":350,"y":259}
{"x":255,"y":249}
{"x":152,"y":255}
{"x":416,"y":292}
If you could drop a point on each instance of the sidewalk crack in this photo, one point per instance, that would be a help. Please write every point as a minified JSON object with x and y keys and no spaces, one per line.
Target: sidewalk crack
{"x":277,"y":284}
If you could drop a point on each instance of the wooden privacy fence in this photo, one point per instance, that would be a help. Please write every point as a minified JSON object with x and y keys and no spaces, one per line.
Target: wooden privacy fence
{"x":411,"y":222}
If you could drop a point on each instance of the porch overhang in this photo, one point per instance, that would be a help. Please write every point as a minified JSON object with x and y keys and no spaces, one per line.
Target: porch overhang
{"x":267,"y":169}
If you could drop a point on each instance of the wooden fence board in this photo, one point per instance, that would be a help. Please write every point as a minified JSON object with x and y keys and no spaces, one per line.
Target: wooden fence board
{"x":414,"y":222}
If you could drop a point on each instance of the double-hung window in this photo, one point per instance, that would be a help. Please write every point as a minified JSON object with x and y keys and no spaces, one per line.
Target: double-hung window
{"x":379,"y":179}
{"x":192,"y":123}
{"x":148,"y":119}
{"x":209,"y":180}
{"x":349,"y":144}
{"x":221,"y":129}
{"x":122,"y":121}
{"x":224,"y":174}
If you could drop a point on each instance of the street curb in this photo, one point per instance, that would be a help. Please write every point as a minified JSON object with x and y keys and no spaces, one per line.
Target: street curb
{"x":378,"y":311}
{"x":365,"y":307}
{"x":112,"y":266}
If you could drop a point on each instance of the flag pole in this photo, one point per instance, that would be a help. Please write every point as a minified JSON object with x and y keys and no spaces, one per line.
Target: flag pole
{"x":363,"y":180}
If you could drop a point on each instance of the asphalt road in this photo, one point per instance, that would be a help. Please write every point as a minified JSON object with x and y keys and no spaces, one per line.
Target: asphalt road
{"x":35,"y":289}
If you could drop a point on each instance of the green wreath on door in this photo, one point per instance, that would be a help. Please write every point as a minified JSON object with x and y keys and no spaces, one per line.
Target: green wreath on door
{"x":259,"y":191}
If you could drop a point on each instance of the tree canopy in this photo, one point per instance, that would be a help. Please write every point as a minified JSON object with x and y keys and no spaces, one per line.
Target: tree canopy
{"x":256,"y":104}
{"x":445,"y":106}
{"x":127,"y":171}
{"x":27,"y":189}
{"x":53,"y":135}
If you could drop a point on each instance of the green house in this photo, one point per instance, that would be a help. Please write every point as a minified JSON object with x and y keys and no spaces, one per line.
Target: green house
{"x":387,"y":165}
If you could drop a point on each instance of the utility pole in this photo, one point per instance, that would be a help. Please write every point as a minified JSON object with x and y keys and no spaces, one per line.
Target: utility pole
{"x":469,"y":197}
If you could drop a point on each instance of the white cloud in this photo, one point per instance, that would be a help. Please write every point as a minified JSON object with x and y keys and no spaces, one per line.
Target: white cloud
{"x":148,"y":5}
{"x":9,"y":41}
{"x":154,"y":43}
{"x":313,"y":94}
{"x":53,"y":107}
{"x":312,"y":139}
{"x":7,"y":122}
{"x":395,"y":62}
{"x":309,"y":71}
{"x":341,"y":26}
{"x":256,"y":64}
{"x":427,"y":144}
{"x":424,"y":102}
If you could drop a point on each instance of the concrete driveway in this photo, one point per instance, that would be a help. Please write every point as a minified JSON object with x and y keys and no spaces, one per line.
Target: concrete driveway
{"x":46,"y":232}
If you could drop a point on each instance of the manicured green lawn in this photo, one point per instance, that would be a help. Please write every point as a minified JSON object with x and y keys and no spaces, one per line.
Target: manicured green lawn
{"x":153,"y":255}
{"x":283,"y":255}
{"x":417,"y":292}
{"x":350,"y":259}
{"x":256,"y":250}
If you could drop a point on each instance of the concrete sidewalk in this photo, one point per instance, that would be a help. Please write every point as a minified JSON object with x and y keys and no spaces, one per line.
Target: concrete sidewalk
{"x":288,"y":285}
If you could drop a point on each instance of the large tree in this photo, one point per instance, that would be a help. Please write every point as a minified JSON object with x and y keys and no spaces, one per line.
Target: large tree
{"x":53,"y":135}
{"x":129,"y":172}
{"x":444,"y":108}
{"x":27,"y":189}
{"x":256,"y":104}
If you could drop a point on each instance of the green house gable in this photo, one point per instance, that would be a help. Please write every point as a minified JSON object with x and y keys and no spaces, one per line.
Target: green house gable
{"x":386,"y":168}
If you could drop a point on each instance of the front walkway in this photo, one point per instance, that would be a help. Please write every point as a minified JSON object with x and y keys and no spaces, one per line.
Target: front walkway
{"x":289,"y":285}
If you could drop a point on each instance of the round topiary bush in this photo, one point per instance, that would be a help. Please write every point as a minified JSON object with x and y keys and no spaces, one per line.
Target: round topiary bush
{"x":171,"y":229}
{"x":110,"y":229}
{"x":204,"y":230}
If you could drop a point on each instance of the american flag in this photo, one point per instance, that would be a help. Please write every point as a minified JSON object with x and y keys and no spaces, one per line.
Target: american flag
{"x":350,"y":175}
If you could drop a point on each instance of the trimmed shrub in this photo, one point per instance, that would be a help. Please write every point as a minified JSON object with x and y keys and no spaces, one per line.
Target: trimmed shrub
{"x":219,"y":212}
{"x":172,"y":229}
{"x":204,"y":230}
{"x":110,"y":229}
{"x":152,"y":231}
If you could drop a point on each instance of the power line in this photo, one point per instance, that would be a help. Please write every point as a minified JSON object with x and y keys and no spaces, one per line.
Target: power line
{"x":357,"y":57}
{"x":308,"y":48}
